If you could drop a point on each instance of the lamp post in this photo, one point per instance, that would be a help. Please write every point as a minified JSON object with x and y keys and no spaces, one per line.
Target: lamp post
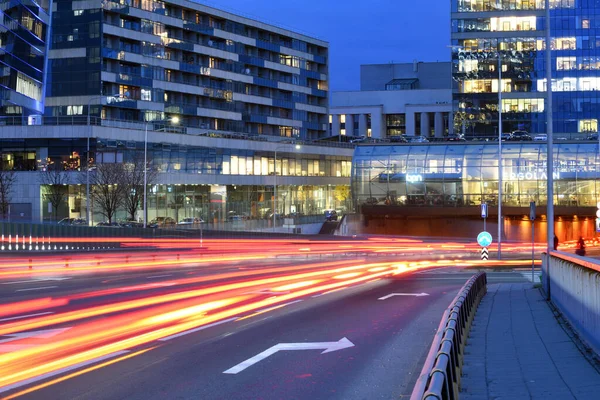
{"x":87,"y":164}
{"x":175,"y":121}
{"x":549,"y":135}
{"x":296,"y":147}
{"x":500,"y":172}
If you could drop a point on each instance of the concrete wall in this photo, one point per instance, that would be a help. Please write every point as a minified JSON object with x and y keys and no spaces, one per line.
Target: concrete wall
{"x":431,"y":75}
{"x":466,"y":227}
{"x":573,"y":285}
{"x":393,"y":101}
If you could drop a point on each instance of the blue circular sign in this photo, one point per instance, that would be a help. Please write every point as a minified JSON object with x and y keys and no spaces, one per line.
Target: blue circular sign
{"x":484,"y":239}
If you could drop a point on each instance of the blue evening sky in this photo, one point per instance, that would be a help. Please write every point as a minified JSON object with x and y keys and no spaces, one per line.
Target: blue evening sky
{"x":359,"y":31}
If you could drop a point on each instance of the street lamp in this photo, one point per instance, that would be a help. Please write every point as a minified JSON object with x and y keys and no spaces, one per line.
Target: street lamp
{"x":87,"y":164}
{"x":174,"y":120}
{"x":296,"y":147}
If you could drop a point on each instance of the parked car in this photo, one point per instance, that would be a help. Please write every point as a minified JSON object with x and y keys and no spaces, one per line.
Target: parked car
{"x":131,"y":224}
{"x":540,"y":137}
{"x":505,"y":137}
{"x":456,"y":138}
{"x":360,"y":139}
{"x":419,"y":139}
{"x":519,"y":136}
{"x":107,"y":224}
{"x":398,"y":139}
{"x":331,"y":215}
{"x":593,"y":136}
{"x":190,"y":221}
{"x":163,"y":222}
{"x":72,"y":221}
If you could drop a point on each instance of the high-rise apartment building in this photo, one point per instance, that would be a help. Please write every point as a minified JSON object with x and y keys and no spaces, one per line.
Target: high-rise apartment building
{"x":22,"y":58}
{"x":487,"y":34}
{"x":214,"y":70}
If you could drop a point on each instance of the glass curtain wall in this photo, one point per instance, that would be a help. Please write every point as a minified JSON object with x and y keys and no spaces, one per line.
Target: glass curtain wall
{"x":467,"y":174}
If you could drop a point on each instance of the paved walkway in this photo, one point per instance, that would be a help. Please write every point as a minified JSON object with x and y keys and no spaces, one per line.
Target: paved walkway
{"x":518,"y":350}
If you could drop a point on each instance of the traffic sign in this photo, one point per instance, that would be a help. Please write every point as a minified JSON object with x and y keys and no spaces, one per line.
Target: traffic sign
{"x":485,"y":255}
{"x":484,"y":239}
{"x":484,"y":210}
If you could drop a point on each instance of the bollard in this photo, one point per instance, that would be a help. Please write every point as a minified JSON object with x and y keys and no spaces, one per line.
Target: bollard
{"x":67,"y":262}
{"x":30,"y":263}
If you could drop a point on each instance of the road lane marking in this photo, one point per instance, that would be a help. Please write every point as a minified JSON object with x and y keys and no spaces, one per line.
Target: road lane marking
{"x":61,"y":371}
{"x":158,"y":276}
{"x":74,"y":374}
{"x":35,"y":280}
{"x":201,"y":328}
{"x":327,"y":347}
{"x":26,"y":316}
{"x":36,"y":288}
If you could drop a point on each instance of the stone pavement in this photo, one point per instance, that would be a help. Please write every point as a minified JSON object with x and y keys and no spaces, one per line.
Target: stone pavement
{"x":518,"y":350}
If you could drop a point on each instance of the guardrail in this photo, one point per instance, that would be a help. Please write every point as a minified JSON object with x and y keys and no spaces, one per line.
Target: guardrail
{"x":440,"y":376}
{"x":572,"y":284}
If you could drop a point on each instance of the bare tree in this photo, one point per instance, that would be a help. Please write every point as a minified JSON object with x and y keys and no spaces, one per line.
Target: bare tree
{"x":54,"y":179}
{"x":108,"y":188}
{"x":134,"y":182}
{"x":7,"y":182}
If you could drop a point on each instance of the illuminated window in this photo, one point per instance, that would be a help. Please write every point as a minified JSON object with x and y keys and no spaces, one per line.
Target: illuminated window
{"x":485,"y":86}
{"x":468,"y":65}
{"x":585,"y":24}
{"x":513,"y":24}
{"x":588,"y":125}
{"x":523,"y":105}
{"x":566,"y":63}
{"x":343,"y":118}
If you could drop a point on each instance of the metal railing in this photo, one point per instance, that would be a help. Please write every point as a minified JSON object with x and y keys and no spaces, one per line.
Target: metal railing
{"x":572,"y":284}
{"x":440,"y":376}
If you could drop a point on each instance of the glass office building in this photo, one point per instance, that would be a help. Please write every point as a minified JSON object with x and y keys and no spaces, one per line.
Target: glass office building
{"x":23,"y":36}
{"x":485,"y":32}
{"x":463,"y":175}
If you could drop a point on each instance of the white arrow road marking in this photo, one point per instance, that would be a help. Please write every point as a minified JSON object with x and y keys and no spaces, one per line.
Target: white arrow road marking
{"x":403,"y":294}
{"x":326,"y":346}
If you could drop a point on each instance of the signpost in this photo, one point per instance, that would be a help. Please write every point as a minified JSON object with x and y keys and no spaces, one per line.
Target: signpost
{"x":598,"y":217}
{"x":484,"y":214}
{"x":532,"y":219}
{"x":484,"y":239}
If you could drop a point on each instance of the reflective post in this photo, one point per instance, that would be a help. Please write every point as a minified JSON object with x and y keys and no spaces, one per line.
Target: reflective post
{"x":500,"y":219}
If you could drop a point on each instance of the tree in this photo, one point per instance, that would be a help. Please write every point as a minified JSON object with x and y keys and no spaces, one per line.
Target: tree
{"x":134,"y":183}
{"x":7,"y":182}
{"x":108,"y":188}
{"x":54,"y":179}
{"x":342,"y":194}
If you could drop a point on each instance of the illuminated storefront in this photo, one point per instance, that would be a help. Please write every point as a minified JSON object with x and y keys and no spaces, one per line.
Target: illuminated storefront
{"x":467,"y":174}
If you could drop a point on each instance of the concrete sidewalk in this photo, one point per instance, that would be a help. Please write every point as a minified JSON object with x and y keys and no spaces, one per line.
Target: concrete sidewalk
{"x":518,"y":350}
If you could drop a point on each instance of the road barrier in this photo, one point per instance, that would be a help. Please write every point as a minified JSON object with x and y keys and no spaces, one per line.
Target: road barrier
{"x":572,"y":284}
{"x":440,"y":376}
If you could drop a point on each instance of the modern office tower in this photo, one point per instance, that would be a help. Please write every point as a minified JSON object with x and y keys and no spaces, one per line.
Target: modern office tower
{"x":502,"y":39}
{"x":23,"y":37}
{"x":139,"y":61}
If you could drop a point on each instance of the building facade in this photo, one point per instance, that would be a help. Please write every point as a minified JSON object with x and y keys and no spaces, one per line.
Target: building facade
{"x":445,"y":183}
{"x":23,"y":59}
{"x":225,"y":109}
{"x":504,"y":41}
{"x":411,"y":99}
{"x":147,"y":61}
{"x":207,"y":177}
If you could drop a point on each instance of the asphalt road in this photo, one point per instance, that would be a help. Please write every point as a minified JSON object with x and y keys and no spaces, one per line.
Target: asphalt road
{"x":381,"y":345}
